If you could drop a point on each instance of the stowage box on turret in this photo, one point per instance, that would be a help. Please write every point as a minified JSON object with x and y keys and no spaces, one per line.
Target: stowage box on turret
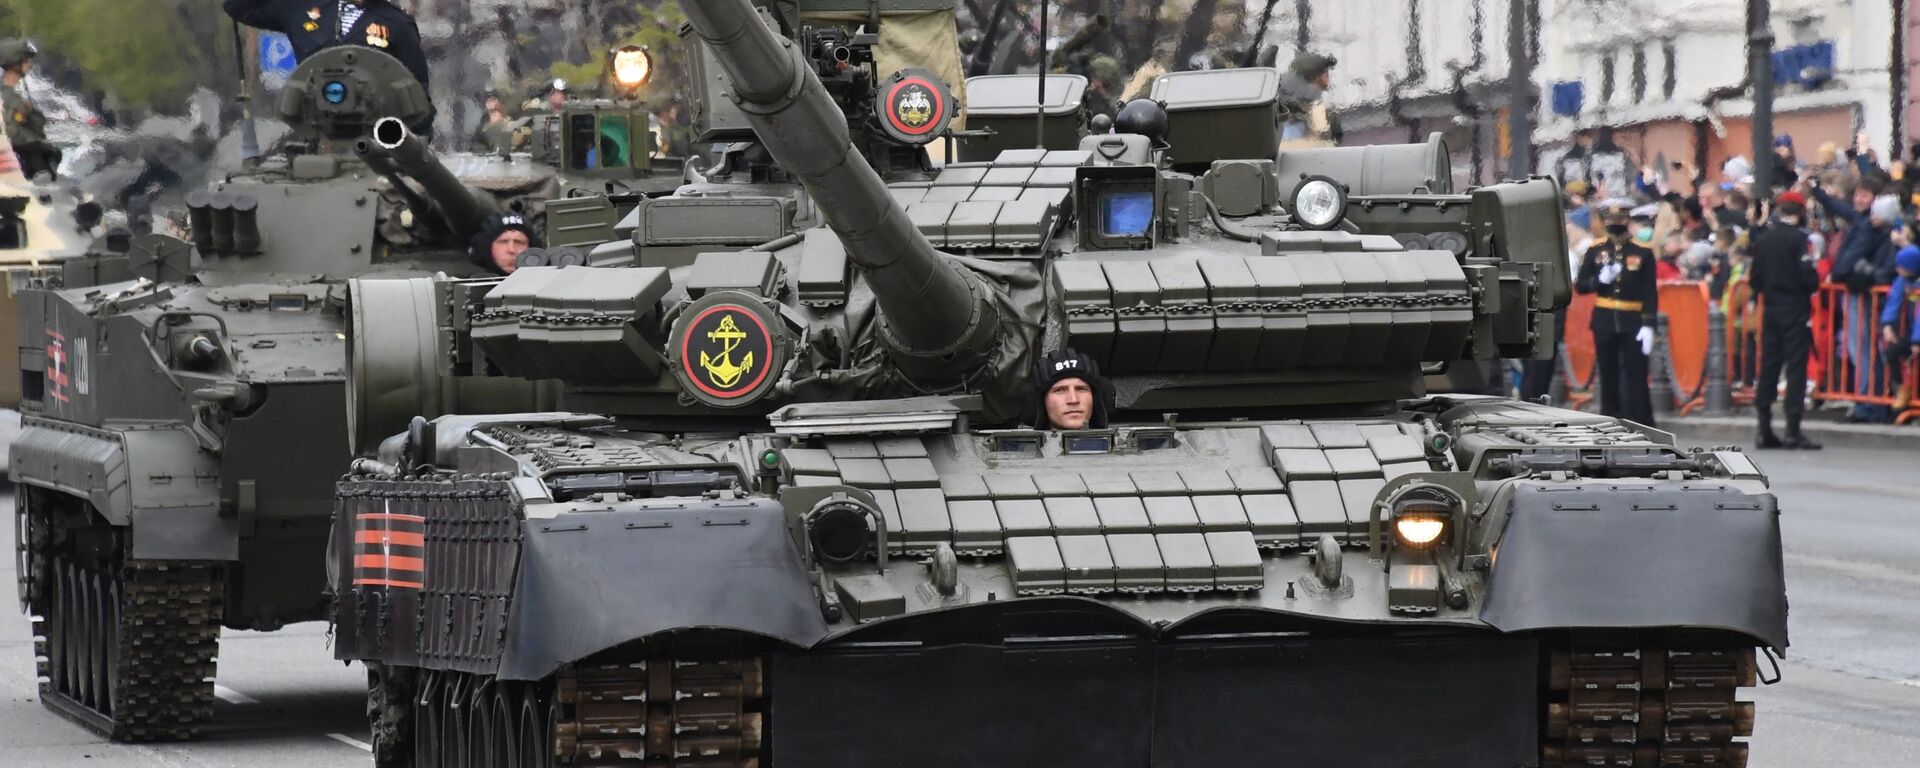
{"x":806,"y":505}
{"x":184,"y":402}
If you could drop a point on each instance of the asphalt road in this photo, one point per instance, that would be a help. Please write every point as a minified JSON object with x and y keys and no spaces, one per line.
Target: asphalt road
{"x":1850,"y":694}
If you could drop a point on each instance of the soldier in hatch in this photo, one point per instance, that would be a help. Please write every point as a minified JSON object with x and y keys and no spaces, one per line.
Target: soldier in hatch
{"x":316,"y":25}
{"x":1069,"y":393}
{"x":498,"y":247}
{"x":1306,"y":120}
{"x":26,"y":125}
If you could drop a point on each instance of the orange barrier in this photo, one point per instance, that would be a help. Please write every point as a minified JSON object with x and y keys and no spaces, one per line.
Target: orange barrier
{"x":1688,"y":340}
{"x":1578,"y":341}
{"x":1888,"y":385}
{"x":1685,"y":307}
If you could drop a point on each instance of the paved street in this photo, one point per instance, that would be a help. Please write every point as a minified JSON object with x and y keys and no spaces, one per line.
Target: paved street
{"x":1851,"y":696}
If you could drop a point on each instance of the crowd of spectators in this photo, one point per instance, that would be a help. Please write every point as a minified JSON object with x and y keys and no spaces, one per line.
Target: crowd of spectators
{"x":1861,"y":218}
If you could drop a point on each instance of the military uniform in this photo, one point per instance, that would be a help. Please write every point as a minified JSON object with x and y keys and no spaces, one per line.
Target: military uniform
{"x":26,"y":125}
{"x":493,"y":136}
{"x":1784,"y":275}
{"x":315,"y":25}
{"x":1627,"y":301}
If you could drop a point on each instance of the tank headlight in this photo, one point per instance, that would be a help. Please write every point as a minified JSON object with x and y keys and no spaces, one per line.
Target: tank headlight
{"x":1319,"y":203}
{"x":1420,"y":523}
{"x":1419,"y":530}
{"x":632,"y":66}
{"x":838,"y":532}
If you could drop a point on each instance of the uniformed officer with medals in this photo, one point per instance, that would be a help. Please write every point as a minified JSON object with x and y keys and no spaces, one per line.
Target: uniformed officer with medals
{"x":1619,"y":273}
{"x":315,"y":25}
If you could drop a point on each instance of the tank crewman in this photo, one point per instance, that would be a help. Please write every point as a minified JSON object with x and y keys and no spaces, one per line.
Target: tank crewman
{"x":557,"y":96}
{"x":1068,"y":392}
{"x":316,"y":25}
{"x":498,"y":247}
{"x":676,"y":137}
{"x":26,"y":125}
{"x":1103,"y":84}
{"x":1786,"y":276}
{"x":496,"y":128}
{"x":1619,"y":273}
{"x":1305,"y":119}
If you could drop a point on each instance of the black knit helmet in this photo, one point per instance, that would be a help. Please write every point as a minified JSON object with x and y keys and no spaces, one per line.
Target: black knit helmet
{"x":1068,"y":364}
{"x":480,"y":249}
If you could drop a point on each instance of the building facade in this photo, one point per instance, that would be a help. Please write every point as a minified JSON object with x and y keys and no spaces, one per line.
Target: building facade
{"x":1620,"y":84}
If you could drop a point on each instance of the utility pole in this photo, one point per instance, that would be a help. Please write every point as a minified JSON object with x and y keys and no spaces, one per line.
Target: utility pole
{"x":1519,"y":93}
{"x":1760,"y":67}
{"x":1303,"y":25}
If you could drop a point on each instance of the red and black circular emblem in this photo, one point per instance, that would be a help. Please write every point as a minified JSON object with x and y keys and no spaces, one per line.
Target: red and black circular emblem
{"x":917,"y":106}
{"x":728,"y":349}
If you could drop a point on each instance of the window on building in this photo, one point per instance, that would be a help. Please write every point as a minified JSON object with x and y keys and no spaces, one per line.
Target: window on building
{"x":1669,"y":79}
{"x":1637,"y":80}
{"x":1606,"y":79}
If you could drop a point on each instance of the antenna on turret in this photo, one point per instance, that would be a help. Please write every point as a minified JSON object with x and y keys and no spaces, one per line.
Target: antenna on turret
{"x":1040,"y":124}
{"x":249,"y":139}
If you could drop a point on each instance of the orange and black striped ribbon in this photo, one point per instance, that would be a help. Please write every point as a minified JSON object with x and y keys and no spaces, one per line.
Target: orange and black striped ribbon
{"x":389,"y":550}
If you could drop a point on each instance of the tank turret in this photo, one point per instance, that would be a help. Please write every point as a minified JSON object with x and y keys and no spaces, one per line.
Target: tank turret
{"x":939,"y":320}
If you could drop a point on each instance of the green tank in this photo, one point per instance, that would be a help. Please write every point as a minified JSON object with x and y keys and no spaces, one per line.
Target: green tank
{"x":184,"y":400}
{"x":800,"y":508}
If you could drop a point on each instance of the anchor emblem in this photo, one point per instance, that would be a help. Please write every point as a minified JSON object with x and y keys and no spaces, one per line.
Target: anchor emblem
{"x":722,"y":370}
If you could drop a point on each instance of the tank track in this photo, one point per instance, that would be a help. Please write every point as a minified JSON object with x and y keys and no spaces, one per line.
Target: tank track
{"x":657,"y":713}
{"x":1649,"y":704}
{"x":130,"y":651}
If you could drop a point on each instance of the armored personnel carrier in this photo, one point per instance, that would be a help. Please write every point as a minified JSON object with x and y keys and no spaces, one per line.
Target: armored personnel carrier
{"x":183,"y":401}
{"x":41,"y":225}
{"x":790,"y":516}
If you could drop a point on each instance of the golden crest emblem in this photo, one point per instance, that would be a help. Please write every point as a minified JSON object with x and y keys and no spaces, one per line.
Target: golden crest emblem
{"x":722,"y":370}
{"x":915,"y":107}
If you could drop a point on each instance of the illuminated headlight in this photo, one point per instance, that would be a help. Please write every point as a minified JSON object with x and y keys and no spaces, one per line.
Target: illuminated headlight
{"x":632,"y":66}
{"x":1420,"y":523}
{"x":1419,"y":530}
{"x":1319,"y":203}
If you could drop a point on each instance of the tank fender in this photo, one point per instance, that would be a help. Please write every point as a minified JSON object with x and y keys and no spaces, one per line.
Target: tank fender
{"x":157,"y":480}
{"x":1696,"y":554}
{"x":590,"y":581}
{"x":75,"y":460}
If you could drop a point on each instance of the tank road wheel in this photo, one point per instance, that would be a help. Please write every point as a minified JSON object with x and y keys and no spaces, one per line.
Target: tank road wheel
{"x":115,"y":619}
{"x":535,"y":749}
{"x":102,"y":634}
{"x":129,"y":644}
{"x":76,"y":634}
{"x":480,"y":723}
{"x":453,"y":722}
{"x":427,"y":722}
{"x":53,"y":620}
{"x":505,"y":715}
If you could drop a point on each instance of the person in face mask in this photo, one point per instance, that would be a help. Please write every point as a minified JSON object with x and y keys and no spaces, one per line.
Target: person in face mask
{"x":1619,"y":273}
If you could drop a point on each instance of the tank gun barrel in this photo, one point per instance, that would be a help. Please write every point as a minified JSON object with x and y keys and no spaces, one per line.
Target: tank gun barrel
{"x":392,"y":147}
{"x":936,"y":320}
